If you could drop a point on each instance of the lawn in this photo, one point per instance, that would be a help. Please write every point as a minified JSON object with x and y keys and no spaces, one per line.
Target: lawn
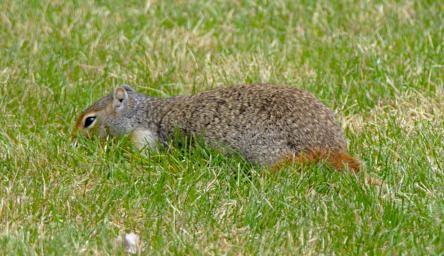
{"x":378,"y":64}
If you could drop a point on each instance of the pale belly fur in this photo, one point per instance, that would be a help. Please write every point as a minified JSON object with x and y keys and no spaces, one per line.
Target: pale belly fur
{"x":144,"y":138}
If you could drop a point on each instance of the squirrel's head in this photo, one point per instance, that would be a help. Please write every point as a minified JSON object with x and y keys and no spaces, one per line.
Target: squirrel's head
{"x":107,"y":116}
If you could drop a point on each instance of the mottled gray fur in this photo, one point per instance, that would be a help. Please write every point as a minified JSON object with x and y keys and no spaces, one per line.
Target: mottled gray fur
{"x":262,"y":122}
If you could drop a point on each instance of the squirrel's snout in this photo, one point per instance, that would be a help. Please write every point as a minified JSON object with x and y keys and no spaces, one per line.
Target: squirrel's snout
{"x":74,"y":137}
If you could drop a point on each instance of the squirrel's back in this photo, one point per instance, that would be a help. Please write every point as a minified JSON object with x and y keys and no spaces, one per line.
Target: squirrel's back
{"x":265,"y":123}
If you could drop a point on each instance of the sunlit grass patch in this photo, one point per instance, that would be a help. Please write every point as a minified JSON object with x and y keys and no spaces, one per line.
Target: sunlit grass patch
{"x":377,"y":64}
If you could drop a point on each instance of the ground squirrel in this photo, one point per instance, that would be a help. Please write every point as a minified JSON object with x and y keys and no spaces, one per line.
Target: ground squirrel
{"x":269,"y":125}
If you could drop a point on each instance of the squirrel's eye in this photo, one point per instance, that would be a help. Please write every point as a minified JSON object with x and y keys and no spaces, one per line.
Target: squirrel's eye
{"x":89,"y":121}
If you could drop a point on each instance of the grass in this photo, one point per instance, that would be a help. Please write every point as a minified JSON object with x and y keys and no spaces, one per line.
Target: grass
{"x":378,"y":64}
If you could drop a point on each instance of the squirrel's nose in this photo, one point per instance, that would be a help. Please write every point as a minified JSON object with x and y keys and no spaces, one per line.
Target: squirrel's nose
{"x":74,"y":137}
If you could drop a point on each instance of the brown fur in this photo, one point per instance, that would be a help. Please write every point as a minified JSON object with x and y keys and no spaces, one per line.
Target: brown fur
{"x":339,"y":159}
{"x":77,"y":127}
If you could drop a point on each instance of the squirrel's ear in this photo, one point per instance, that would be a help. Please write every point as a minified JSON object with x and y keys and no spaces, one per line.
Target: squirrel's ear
{"x":128,"y":88}
{"x":120,"y":99}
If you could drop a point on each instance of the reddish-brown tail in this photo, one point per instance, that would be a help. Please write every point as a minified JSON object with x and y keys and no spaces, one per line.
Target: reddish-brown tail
{"x":342,"y":159}
{"x":338,"y":159}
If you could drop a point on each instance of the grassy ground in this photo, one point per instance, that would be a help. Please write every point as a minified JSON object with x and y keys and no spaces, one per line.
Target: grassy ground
{"x":378,"y":64}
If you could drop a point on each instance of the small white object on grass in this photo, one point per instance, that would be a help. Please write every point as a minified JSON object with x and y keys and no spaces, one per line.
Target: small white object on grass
{"x":131,"y":242}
